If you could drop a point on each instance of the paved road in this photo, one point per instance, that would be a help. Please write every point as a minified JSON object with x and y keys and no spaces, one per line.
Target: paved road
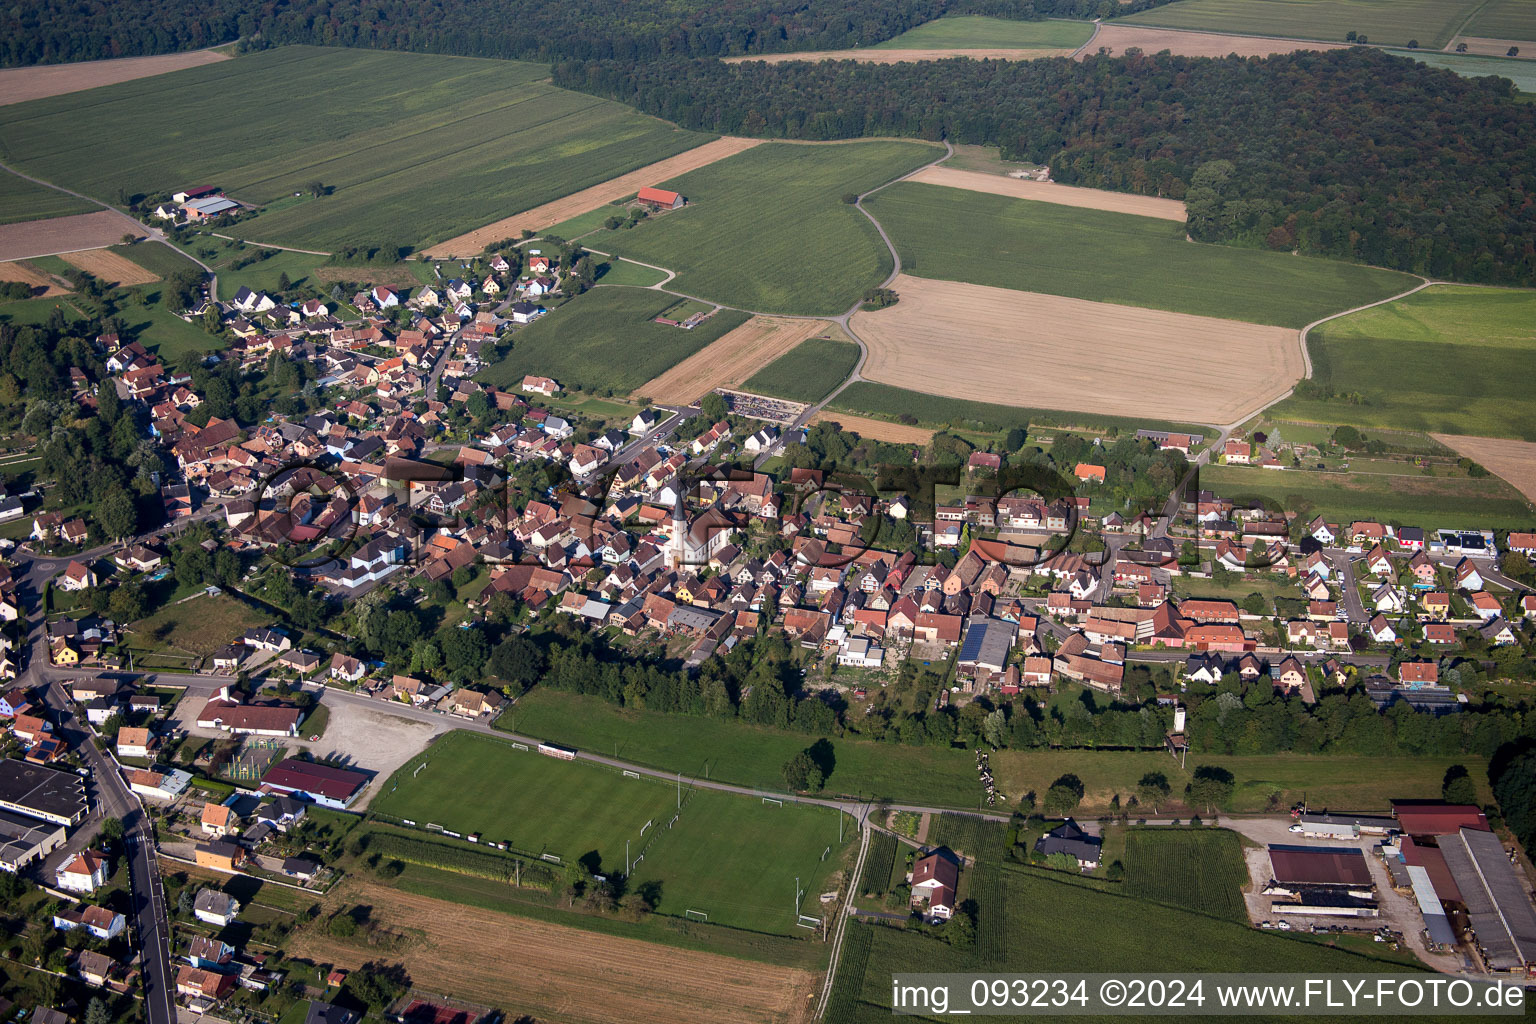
{"x":1344,"y":566}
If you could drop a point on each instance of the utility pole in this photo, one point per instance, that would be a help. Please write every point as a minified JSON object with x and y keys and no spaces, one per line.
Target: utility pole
{"x":679,"y":790}
{"x":626,"y":858}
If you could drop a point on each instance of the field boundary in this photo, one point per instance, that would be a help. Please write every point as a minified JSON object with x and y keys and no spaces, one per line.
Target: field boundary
{"x":731,"y":359}
{"x":40,"y":81}
{"x":1053,"y":192}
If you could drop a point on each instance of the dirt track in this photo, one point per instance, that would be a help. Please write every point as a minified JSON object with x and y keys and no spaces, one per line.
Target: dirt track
{"x":731,"y":359}
{"x":876,"y":430}
{"x":1052,"y":192}
{"x":1047,"y":351}
{"x":562,"y":974}
{"x":871,"y":56}
{"x":1512,"y":461}
{"x":17,"y":85}
{"x":1195,"y":44}
{"x":110,"y":267}
{"x":28,"y":274}
{"x":471,"y":243}
{"x":65,"y":234}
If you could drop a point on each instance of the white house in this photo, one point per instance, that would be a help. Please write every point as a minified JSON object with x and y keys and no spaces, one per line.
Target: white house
{"x":102,"y":923}
{"x":859,"y":652}
{"x":1387,"y":598}
{"x":540,"y":385}
{"x":86,"y":871}
{"x":762,"y":440}
{"x":385,"y":296}
{"x":215,"y":907}
{"x":644,"y":422}
{"x":76,"y":576}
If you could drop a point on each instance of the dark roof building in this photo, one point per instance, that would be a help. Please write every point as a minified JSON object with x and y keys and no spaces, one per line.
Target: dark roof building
{"x":1432,"y":818}
{"x":1068,"y":838}
{"x":321,"y":783}
{"x":39,"y":792}
{"x":1319,"y":865}
{"x":1498,"y":905}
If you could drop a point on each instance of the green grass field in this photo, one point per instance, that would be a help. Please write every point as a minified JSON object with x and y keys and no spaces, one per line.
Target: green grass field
{"x":810,"y":253}
{"x":734,"y":858}
{"x":606,"y":340}
{"x":972,"y":32}
{"x":618,"y":271}
{"x":21,"y":200}
{"x":871,"y":398}
{"x":1410,"y":499}
{"x":199,"y":626}
{"x":1459,"y":360}
{"x":1521,"y":72}
{"x":157,"y":258}
{"x":752,"y":756}
{"x":954,"y":234}
{"x":1198,"y":869}
{"x":1392,"y":22}
{"x":1504,"y":19}
{"x":808,"y":372}
{"x":418,"y":147}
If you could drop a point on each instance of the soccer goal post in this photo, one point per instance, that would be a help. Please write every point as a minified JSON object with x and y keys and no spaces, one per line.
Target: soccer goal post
{"x":773,"y":800}
{"x":697,"y":915}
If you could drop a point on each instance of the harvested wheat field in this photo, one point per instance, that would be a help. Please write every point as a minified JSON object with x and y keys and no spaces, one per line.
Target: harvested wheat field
{"x":471,"y":243}
{"x":876,"y":430}
{"x":873,"y":56}
{"x":28,"y":274}
{"x":1196,"y":44}
{"x":110,"y":267}
{"x":29,"y":238}
{"x":731,"y":359}
{"x":557,"y":973}
{"x":1052,"y":192}
{"x":17,"y":85}
{"x":1051,"y":352}
{"x":1512,"y":461}
{"x":1487,"y":47}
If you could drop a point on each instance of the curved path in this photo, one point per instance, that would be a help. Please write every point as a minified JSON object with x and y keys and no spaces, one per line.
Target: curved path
{"x":268,"y":245}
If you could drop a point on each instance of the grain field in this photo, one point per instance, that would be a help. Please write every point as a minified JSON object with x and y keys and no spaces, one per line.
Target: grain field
{"x":730,"y":360}
{"x":1049,"y":351}
{"x":17,"y":85}
{"x":29,"y":238}
{"x":1119,"y":38}
{"x":472,"y":242}
{"x":1052,"y":192}
{"x":876,"y":430}
{"x":557,"y":973}
{"x":28,"y":274}
{"x":873,"y":56}
{"x":1513,"y":461}
{"x":110,"y":267}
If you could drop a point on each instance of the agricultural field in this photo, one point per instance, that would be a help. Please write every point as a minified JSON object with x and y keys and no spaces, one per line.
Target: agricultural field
{"x":811,"y":254}
{"x":1032,"y":346}
{"x":563,"y":973}
{"x":808,"y":372}
{"x":731,"y":360}
{"x":486,"y":139}
{"x":1514,"y":461}
{"x":590,"y":200}
{"x":21,"y":200}
{"x":710,"y":860}
{"x":1409,"y":498}
{"x":1503,"y":20}
{"x":1519,"y":70}
{"x":158,"y":259}
{"x":972,"y":32}
{"x":876,"y":430}
{"x":752,"y":756}
{"x":1119,"y":37}
{"x":17,"y":85}
{"x":605,"y":341}
{"x":43,"y":284}
{"x":624,"y":272}
{"x":110,"y":267}
{"x":1459,"y":360}
{"x":1053,"y":192}
{"x":1113,"y":257}
{"x":28,"y":239}
{"x":1197,"y":869}
{"x":942,"y":411}
{"x":1390,"y":22}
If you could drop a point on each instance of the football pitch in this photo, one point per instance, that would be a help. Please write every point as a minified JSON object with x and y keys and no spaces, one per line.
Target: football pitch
{"x":701,"y":854}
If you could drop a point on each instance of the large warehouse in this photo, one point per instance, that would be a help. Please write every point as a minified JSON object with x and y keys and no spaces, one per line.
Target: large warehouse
{"x":45,"y":793}
{"x":1498,"y":908}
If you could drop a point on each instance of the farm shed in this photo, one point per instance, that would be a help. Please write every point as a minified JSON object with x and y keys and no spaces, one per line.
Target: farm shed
{"x":1496,"y":898}
{"x":1322,"y":865}
{"x":660,"y":199}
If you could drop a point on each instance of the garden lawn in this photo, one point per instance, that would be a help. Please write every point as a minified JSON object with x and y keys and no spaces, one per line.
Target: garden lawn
{"x":957,"y":235}
{"x":971,"y":32}
{"x":1460,"y":359}
{"x":417,"y":148}
{"x":808,"y":372}
{"x":21,"y":200}
{"x":535,"y":804}
{"x":606,"y":341}
{"x":1409,"y":499}
{"x":766,"y":230}
{"x":1393,"y":22}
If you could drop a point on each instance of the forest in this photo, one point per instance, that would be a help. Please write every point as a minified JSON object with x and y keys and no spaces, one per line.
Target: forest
{"x":1353,"y":154}
{"x":56,"y":31}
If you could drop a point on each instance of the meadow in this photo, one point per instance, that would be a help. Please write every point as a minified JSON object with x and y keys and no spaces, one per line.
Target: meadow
{"x":20,"y":200}
{"x":1393,"y":22}
{"x":715,"y":858}
{"x":416,"y":148}
{"x":766,"y":230}
{"x":1198,"y":869}
{"x":605,"y":341}
{"x":973,"y":32}
{"x":753,"y":755}
{"x":1459,"y":361}
{"x":871,"y":398}
{"x":627,"y":273}
{"x":1411,"y":499}
{"x":808,"y":372}
{"x":981,"y":238}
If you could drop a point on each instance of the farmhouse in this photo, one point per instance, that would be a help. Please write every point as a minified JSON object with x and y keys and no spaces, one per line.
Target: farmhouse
{"x":935,"y":877}
{"x":1071,"y":840}
{"x":660,"y":199}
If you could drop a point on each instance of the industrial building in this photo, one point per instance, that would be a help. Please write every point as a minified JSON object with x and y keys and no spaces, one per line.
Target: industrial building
{"x":24,"y":840}
{"x":38,"y":792}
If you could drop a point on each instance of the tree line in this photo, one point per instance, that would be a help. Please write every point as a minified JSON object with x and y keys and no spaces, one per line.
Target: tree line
{"x":56,"y":31}
{"x":1353,"y":153}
